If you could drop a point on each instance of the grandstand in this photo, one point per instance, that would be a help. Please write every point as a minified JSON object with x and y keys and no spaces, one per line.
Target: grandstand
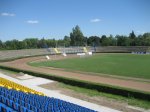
{"x":17,"y":98}
{"x":121,"y":49}
{"x":9,"y":54}
{"x":54,"y":104}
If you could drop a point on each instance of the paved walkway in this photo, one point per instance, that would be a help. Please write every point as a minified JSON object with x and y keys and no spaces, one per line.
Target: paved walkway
{"x":31,"y":83}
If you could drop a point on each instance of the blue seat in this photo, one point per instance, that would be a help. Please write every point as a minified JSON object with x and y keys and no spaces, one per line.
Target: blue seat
{"x":22,"y":109}
{"x":9,"y":103}
{"x":16,"y":106}
{"x":4,"y":108}
{"x":27,"y":105}
{"x":3,"y":100}
{"x":23,"y":102}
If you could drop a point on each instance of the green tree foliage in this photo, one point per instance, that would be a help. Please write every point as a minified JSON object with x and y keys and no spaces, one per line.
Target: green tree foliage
{"x":31,"y":43}
{"x":51,"y":42}
{"x":76,"y":36}
{"x":1,"y":44}
{"x":42,"y":43}
{"x":132,"y":37}
{"x":104,"y":40}
{"x":146,"y":39}
{"x":122,"y":40}
{"x":112,"y":41}
{"x":67,"y":41}
{"x":93,"y":40}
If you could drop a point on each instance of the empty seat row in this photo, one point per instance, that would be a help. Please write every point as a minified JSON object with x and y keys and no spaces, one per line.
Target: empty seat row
{"x":12,"y":85}
{"x":12,"y":100}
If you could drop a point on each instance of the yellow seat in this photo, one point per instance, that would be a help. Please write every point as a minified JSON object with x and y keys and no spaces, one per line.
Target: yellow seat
{"x":12,"y":85}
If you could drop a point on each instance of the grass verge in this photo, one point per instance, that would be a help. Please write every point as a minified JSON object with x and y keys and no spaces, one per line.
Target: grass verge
{"x":8,"y":71}
{"x":126,"y":92}
{"x":92,"y":93}
{"x":20,"y":57}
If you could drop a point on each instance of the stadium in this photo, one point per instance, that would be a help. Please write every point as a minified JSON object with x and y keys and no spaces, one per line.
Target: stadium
{"x":48,"y":64}
{"x":36,"y":68}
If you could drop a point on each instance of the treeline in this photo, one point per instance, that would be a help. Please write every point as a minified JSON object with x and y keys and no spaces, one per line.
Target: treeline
{"x":77,"y":38}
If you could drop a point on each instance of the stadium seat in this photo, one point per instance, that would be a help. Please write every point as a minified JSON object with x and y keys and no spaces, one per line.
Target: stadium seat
{"x":11,"y":85}
{"x":12,"y":100}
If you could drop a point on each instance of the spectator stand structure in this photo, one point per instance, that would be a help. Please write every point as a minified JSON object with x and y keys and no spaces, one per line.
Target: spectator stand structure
{"x":142,"y":51}
{"x":17,"y":98}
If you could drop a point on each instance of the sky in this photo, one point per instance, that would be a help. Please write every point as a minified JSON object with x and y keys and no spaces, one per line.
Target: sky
{"x":20,"y":19}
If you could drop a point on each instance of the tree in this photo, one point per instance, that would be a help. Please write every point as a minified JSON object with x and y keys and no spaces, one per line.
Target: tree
{"x":31,"y":43}
{"x":122,"y":40}
{"x":52,"y":42}
{"x":104,"y":41}
{"x":76,"y":36}
{"x":132,"y":37}
{"x":67,"y":41}
{"x":146,"y":39}
{"x":1,"y":44}
{"x":85,"y":40}
{"x":112,"y":40}
{"x":60,"y":43}
{"x":139,"y":41}
{"x":94,"y":40}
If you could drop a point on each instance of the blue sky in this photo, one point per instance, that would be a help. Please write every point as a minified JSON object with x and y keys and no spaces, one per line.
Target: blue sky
{"x":20,"y":19}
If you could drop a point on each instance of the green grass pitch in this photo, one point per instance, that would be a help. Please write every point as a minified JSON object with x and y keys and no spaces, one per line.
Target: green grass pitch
{"x":131,"y":65}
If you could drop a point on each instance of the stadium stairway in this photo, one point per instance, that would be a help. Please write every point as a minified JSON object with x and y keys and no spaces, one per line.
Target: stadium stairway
{"x":17,"y":98}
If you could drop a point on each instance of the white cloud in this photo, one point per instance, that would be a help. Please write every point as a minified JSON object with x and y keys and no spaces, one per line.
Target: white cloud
{"x":7,"y":14}
{"x":32,"y":21}
{"x":95,"y":20}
